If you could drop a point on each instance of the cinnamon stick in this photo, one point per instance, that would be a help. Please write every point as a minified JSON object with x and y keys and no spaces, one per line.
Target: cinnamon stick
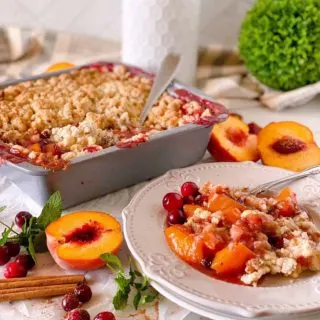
{"x":40,"y":281}
{"x":35,"y":292}
{"x":15,"y":290}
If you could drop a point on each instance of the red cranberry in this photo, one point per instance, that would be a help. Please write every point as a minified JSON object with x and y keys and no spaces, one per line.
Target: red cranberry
{"x":78,"y":314}
{"x":57,"y":151}
{"x":188,"y":200}
{"x":189,"y":189}
{"x":14,"y":270}
{"x":83,"y":292}
{"x":43,"y":144}
{"x":4,"y":255}
{"x":200,"y":199}
{"x":254,"y":128}
{"x":276,"y":242}
{"x":13,"y":248}
{"x":105,"y":316}
{"x":172,"y":201}
{"x":176,"y":217}
{"x":26,"y":261}
{"x":206,"y":262}
{"x":45,"y":134}
{"x":22,"y":217}
{"x":70,"y":302}
{"x":304,"y":262}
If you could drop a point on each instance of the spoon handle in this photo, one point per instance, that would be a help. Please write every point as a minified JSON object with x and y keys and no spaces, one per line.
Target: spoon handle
{"x":163,"y":78}
{"x":307,"y":172}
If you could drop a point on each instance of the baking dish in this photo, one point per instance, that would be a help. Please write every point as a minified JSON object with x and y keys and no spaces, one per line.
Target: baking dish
{"x":96,"y":174}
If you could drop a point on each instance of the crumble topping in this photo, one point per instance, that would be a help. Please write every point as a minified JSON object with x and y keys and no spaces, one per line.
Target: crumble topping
{"x":86,"y":107}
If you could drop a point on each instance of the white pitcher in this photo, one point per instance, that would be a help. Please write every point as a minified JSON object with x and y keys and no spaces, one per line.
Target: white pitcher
{"x":152,"y":28}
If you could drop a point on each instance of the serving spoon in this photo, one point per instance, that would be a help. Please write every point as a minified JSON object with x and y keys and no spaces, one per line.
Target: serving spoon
{"x":292,"y":177}
{"x":163,"y":78}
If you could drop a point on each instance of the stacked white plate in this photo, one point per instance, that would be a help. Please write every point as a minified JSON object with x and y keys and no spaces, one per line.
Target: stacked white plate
{"x":277,"y":299}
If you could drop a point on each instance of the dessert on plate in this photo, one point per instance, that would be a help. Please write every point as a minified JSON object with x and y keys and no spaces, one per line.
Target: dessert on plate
{"x":238,"y":237}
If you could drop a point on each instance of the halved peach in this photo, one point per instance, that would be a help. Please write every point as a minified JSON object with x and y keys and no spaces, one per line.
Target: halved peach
{"x":231,"y":141}
{"x":60,"y":66}
{"x":187,"y":245}
{"x":77,"y":240}
{"x":289,"y":145}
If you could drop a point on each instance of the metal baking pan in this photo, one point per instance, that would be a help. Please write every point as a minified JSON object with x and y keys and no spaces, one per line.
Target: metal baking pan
{"x":113,"y":168}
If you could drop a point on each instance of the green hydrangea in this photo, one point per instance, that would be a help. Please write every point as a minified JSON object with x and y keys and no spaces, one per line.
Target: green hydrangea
{"x":279,"y":42}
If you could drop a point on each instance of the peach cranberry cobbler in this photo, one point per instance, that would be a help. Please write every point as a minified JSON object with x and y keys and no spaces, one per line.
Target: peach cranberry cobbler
{"x":237,"y":237}
{"x":85,"y":110}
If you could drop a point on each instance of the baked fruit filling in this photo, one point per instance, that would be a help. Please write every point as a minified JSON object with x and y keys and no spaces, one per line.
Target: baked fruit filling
{"x":237,"y":237}
{"x":86,"y":110}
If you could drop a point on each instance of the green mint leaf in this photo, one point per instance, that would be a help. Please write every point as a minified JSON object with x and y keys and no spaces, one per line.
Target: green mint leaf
{"x":24,"y":227}
{"x":2,"y":208}
{"x":40,"y":242}
{"x":122,"y":282}
{"x":112,"y":262}
{"x":30,"y":225}
{"x":120,"y":300}
{"x":147,"y":298}
{"x":137,"y":285}
{"x":145,"y":284}
{"x":136,"y":300}
{"x":5,"y":235}
{"x":137,"y":273}
{"x":31,"y":249}
{"x":51,"y":211}
{"x":132,"y":275}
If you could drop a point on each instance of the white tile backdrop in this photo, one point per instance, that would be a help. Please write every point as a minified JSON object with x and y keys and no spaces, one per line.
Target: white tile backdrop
{"x":220,"y":19}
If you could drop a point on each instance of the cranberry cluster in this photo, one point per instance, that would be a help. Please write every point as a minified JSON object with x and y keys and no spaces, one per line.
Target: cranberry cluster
{"x":81,"y":294}
{"x":23,"y":262}
{"x":173,"y":202}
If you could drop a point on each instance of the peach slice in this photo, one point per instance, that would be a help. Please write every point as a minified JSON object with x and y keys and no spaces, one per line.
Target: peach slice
{"x":232,"y":259}
{"x":286,"y":206}
{"x":185,"y":244}
{"x":60,"y":66}
{"x":214,"y":241}
{"x":289,"y":145}
{"x":77,"y":240}
{"x":221,"y":202}
{"x":286,"y":194}
{"x":231,"y":215}
{"x":231,"y":141}
{"x":189,"y":209}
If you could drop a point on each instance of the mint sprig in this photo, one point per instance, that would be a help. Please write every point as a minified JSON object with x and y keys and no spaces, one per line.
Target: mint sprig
{"x":135,"y":281}
{"x":51,"y":211}
{"x":32,"y":234}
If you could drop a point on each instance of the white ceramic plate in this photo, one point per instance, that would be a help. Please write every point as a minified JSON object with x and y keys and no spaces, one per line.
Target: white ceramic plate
{"x":144,"y":220}
{"x":216,"y":315}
